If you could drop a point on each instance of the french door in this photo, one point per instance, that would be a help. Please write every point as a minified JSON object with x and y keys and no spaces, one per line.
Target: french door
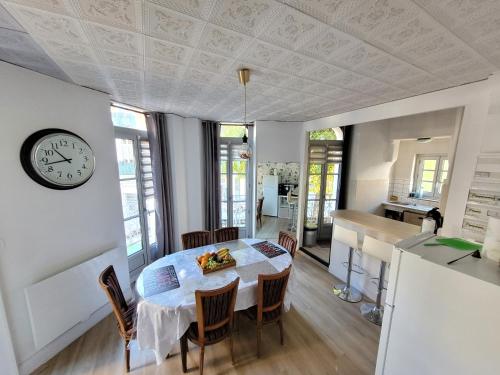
{"x":324,"y":169}
{"x":137,"y":193}
{"x":236,"y":183}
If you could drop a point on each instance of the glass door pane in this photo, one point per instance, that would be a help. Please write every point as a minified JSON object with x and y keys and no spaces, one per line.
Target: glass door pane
{"x":313,"y":194}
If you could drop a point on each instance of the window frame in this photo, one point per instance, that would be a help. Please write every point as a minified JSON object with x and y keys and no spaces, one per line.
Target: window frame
{"x":137,"y":261}
{"x":419,"y":171}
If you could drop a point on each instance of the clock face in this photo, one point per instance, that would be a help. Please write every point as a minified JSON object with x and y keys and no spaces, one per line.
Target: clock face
{"x":61,"y":160}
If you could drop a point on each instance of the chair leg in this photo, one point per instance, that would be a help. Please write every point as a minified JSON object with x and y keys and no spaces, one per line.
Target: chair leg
{"x":127,"y":356}
{"x":184,"y":349}
{"x":259,"y":329}
{"x":202,"y":358}
{"x":231,"y":347}
{"x":280,"y":324}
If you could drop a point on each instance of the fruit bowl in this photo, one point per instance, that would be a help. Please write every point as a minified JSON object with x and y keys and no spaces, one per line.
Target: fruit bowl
{"x":211,"y":262}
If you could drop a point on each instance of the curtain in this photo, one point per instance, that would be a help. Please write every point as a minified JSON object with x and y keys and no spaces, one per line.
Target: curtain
{"x":346,"y":160}
{"x":162,"y":179}
{"x":210,"y":130}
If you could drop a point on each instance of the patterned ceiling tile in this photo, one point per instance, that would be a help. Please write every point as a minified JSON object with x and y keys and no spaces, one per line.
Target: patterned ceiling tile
{"x":434,"y":43}
{"x":294,"y":63}
{"x":176,"y":27}
{"x":322,"y":73}
{"x":219,"y":40}
{"x":353,"y":81}
{"x":388,"y":69}
{"x":263,"y":54}
{"x":209,"y":62}
{"x":299,"y":84}
{"x":55,"y":6}
{"x":290,"y":28}
{"x":245,"y":17}
{"x":167,"y":51}
{"x":120,"y":13}
{"x":164,"y":69}
{"x":326,"y":43}
{"x":120,"y":60}
{"x":49,"y":25}
{"x":67,"y":51}
{"x":7,"y":21}
{"x":125,"y":74}
{"x":115,"y":39}
{"x":196,"y":8}
{"x":323,"y":10}
{"x":360,"y":53}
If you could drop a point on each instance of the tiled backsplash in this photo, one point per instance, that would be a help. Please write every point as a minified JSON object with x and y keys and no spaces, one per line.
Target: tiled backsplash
{"x":401,"y":188}
{"x":288,"y":172}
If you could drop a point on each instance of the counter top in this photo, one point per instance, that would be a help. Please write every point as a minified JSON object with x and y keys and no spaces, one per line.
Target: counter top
{"x":419,"y":208}
{"x":378,"y":227}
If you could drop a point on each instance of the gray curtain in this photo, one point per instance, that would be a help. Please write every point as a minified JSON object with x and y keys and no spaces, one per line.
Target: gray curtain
{"x":162,"y":179}
{"x":210,"y":130}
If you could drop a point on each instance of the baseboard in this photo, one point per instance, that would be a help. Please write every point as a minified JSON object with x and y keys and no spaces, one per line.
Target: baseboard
{"x":52,"y":349}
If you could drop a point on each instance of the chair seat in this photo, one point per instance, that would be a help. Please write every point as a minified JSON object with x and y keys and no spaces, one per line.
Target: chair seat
{"x":270,"y":316}
{"x":211,"y":337}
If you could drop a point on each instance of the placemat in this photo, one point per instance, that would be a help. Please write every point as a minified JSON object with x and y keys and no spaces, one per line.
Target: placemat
{"x":160,"y":280}
{"x":251,"y":272}
{"x":269,"y":249}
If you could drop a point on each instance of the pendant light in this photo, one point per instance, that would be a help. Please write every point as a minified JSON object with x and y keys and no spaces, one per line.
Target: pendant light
{"x":246,"y":150}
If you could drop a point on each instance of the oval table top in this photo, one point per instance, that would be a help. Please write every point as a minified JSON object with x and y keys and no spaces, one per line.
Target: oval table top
{"x":164,"y":316}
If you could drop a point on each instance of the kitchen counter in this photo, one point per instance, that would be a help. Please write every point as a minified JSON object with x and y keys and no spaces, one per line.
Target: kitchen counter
{"x":378,"y":227}
{"x":400,"y":207}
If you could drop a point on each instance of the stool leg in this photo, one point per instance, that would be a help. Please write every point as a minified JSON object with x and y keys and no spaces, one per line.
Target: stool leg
{"x":345,"y":291}
{"x":375,"y":312}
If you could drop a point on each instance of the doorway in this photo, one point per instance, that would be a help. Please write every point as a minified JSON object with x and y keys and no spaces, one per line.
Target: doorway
{"x":235,"y":180}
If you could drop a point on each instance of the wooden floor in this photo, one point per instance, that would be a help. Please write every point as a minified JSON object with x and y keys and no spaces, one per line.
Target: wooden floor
{"x":323,"y":335}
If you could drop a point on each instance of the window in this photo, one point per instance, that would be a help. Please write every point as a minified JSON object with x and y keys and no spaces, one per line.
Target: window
{"x":136,"y":185}
{"x":232,"y":131}
{"x":323,"y":135}
{"x":430,"y":173}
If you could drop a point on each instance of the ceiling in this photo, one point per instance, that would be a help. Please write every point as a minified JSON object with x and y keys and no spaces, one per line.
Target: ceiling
{"x":309,"y":58}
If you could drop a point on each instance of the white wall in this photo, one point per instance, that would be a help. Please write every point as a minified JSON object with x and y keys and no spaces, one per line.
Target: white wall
{"x":46,"y":231}
{"x":278,"y":141}
{"x":186,"y":153}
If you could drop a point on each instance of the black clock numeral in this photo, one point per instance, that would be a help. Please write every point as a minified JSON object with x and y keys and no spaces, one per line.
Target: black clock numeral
{"x":81,"y":151}
{"x":79,"y":172}
{"x":63,"y":142}
{"x":45,"y":160}
{"x":60,"y":174}
{"x":84,"y":166}
{"x":49,"y":152}
{"x":69,"y":176}
{"x":55,"y":146}
{"x":86,"y":158}
{"x":50,"y":168}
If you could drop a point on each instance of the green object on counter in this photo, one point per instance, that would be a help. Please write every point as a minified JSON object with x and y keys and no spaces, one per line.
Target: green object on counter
{"x":456,"y":243}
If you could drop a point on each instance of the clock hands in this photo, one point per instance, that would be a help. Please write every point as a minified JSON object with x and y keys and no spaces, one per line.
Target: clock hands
{"x":59,"y":161}
{"x":61,"y":155}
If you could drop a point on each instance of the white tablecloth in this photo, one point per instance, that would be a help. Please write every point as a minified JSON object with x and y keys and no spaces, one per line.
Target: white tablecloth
{"x":163,"y":318}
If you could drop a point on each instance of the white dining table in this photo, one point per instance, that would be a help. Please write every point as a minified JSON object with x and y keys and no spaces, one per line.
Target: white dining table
{"x":163,"y":318}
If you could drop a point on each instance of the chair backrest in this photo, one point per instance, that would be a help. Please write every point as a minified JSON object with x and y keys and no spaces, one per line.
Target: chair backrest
{"x":195,"y":239}
{"x":346,"y":236}
{"x":215,"y":308}
{"x":260,"y":202}
{"x":109,"y":283}
{"x":226,"y":234}
{"x":288,"y":241}
{"x":271,"y":292}
{"x":378,"y":249}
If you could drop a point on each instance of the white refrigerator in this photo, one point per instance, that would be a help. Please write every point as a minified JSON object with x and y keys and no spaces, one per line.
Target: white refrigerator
{"x":439,"y":319}
{"x":270,"y":193}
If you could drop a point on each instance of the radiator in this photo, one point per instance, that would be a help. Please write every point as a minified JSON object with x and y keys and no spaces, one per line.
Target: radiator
{"x":60,"y":302}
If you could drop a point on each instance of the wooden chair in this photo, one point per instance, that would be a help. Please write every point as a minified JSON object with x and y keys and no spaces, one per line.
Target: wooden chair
{"x":195,"y":239}
{"x":260,"y":202}
{"x":226,"y":234}
{"x":270,"y":296}
{"x":214,"y":312}
{"x":288,"y":241}
{"x":124,"y":312}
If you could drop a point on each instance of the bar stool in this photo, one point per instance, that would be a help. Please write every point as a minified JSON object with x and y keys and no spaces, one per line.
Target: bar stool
{"x":345,"y":291}
{"x":292,"y":217}
{"x":383,"y":251}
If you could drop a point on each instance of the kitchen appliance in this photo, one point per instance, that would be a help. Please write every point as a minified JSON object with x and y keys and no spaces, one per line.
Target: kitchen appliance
{"x":439,"y":318}
{"x":283,"y":189}
{"x":270,"y":193}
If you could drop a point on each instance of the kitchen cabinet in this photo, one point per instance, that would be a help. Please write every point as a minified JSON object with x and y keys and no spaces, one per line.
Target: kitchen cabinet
{"x":413,"y":218}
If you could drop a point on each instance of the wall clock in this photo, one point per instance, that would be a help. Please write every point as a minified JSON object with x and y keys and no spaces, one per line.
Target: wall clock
{"x":57,"y":159}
